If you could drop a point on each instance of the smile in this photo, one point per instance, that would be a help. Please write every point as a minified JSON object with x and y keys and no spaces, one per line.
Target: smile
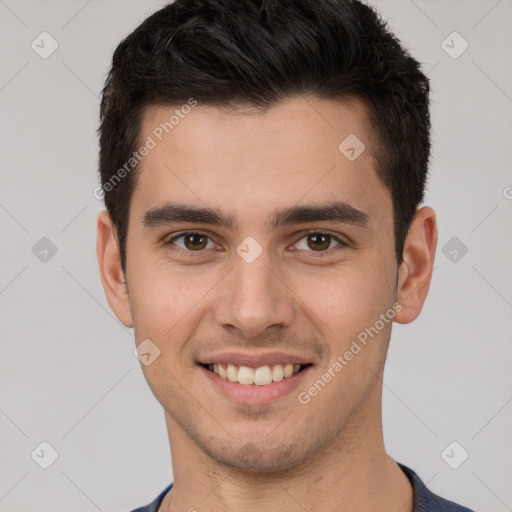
{"x":260,"y":376}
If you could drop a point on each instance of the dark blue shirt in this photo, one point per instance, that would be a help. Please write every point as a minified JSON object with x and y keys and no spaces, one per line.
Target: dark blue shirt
{"x":424,"y":500}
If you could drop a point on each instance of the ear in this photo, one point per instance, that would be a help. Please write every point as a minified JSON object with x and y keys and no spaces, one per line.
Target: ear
{"x":416,"y":269}
{"x":111,"y":272}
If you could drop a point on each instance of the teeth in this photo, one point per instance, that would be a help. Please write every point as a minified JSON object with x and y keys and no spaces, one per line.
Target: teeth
{"x":258,"y":376}
{"x":232,"y":373}
{"x":223,"y":371}
{"x":277,"y":372}
{"x":288,"y":370}
{"x":262,"y":375}
{"x":245,"y":375}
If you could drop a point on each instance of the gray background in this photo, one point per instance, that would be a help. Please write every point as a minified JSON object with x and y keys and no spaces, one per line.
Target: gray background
{"x":67,"y":372}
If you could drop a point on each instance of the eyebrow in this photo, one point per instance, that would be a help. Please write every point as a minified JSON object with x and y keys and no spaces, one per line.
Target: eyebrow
{"x":171,"y":213}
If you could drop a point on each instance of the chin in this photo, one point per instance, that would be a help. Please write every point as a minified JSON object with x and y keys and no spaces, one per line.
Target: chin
{"x":257,"y":456}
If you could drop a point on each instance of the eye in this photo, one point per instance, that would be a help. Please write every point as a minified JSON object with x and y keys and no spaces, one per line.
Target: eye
{"x":192,"y":241}
{"x":319,"y":242}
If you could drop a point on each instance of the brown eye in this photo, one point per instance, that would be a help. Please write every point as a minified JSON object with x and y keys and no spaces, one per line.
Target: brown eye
{"x":191,"y":242}
{"x":319,"y":242}
{"x":195,"y":241}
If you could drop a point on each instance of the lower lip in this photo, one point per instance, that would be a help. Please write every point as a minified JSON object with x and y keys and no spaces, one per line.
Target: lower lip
{"x":254,"y":394}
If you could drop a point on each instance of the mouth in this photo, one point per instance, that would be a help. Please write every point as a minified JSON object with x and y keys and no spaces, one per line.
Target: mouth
{"x":260,"y":376}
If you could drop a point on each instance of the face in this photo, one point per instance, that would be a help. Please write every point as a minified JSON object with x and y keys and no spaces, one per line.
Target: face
{"x":303,"y":269}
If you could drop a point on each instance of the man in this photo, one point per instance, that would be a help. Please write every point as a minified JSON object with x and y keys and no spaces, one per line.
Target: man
{"x":263,"y":163}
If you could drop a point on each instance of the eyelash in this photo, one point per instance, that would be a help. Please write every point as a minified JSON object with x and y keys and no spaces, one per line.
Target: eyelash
{"x":341,"y":244}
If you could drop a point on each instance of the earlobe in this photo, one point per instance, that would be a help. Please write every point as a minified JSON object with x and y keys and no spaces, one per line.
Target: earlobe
{"x":415,"y":272}
{"x":111,"y":271}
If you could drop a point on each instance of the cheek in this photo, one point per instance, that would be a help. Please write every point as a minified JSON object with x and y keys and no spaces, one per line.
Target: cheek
{"x":346,"y":307}
{"x":167,"y":302}
{"x":344,"y":300}
{"x":167,"y":308}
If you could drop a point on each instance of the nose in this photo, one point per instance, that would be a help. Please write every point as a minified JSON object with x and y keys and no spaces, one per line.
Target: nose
{"x":254,"y":298}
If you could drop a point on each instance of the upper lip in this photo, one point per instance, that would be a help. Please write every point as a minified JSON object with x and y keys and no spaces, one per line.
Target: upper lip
{"x":254,"y":360}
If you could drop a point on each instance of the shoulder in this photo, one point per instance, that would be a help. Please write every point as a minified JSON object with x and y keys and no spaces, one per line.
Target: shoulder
{"x":155,"y":504}
{"x":427,"y":501}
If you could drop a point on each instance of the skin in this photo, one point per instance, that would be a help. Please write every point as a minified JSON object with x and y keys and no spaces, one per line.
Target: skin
{"x":328,"y":454}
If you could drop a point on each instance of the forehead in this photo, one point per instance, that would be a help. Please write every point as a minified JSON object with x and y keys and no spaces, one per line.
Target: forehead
{"x":318,"y":125}
{"x":302,"y":149}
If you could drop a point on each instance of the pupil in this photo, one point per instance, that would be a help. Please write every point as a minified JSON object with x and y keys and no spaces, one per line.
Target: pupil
{"x":195,"y":244}
{"x":323,"y":244}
